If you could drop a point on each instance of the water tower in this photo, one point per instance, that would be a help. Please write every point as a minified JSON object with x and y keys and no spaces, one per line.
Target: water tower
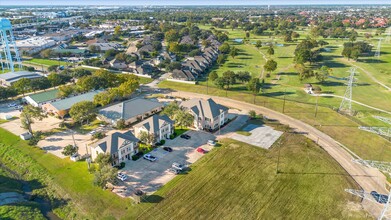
{"x":7,"y":46}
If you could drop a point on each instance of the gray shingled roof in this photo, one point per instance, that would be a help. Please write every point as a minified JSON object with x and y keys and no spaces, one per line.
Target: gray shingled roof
{"x":109,"y":144}
{"x":204,"y":108}
{"x":129,"y":109}
{"x":152,"y":124}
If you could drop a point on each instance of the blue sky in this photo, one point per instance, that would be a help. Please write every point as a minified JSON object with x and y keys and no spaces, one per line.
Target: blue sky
{"x":186,"y":2}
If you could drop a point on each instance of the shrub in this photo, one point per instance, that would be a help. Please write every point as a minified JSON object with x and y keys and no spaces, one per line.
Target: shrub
{"x":162,"y":142}
{"x":98,"y":135}
{"x":172,"y":136}
{"x":137,"y":156}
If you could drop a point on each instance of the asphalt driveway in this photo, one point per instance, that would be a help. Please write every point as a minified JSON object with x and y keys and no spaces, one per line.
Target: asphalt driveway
{"x":149,"y":176}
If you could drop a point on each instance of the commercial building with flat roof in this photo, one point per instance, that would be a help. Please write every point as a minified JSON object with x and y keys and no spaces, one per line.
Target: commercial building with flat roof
{"x":35,"y":44}
{"x":7,"y":79}
{"x":38,"y":99}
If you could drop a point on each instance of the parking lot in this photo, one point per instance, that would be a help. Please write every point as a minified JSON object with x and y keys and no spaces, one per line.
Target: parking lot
{"x":149,"y":176}
{"x":8,"y":111}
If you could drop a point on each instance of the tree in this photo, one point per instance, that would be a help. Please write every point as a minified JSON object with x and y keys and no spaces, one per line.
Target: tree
{"x":69,"y":150}
{"x":258,"y":44}
{"x":87,"y":83}
{"x":103,"y":98}
{"x":128,"y":87}
{"x":117,"y":30}
{"x":323,"y":73}
{"x":213,"y":76}
{"x":270,"y":66}
{"x":172,"y":36}
{"x":248,"y":35}
{"x":252,"y":114}
{"x":184,"y":119}
{"x":230,"y":77}
{"x":40,"y":83}
{"x":254,"y":86}
{"x":270,"y":51}
{"x":221,"y":83}
{"x":234,"y":52}
{"x":121,"y":124}
{"x":225,"y":48}
{"x":94,"y":48}
{"x":82,"y":111}
{"x":28,"y":115}
{"x":65,"y":91}
{"x":103,"y":160}
{"x":52,"y":68}
{"x":220,"y":59}
{"x":55,"y":79}
{"x":105,"y":175}
{"x":243,"y":76}
{"x":174,"y":66}
{"x":171,"y":110}
{"x":23,"y":85}
{"x":78,"y":73}
{"x":146,"y":138}
{"x":304,"y":72}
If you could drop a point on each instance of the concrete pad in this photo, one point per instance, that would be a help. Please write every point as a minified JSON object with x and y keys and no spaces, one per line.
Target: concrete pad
{"x":261,"y":136}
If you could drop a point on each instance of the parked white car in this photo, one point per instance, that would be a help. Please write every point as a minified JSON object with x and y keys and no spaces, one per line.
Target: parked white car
{"x":178,"y":166}
{"x":121,"y":176}
{"x":212,"y":143}
{"x":150,"y":157}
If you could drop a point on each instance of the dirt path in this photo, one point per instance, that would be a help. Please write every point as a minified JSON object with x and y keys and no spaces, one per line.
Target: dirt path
{"x":368,"y":179}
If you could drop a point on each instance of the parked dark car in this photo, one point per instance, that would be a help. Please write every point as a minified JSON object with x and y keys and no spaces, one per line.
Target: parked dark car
{"x":185,"y":136}
{"x":169,"y":149}
{"x":379,"y":197}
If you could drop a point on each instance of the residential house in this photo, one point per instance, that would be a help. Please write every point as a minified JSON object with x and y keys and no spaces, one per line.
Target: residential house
{"x":62,"y":106}
{"x":187,"y":40}
{"x":208,"y":115}
{"x":118,"y":64}
{"x":41,"y":98}
{"x":120,"y":146}
{"x":131,"y":111}
{"x":108,"y":46}
{"x":160,"y":126}
{"x":193,"y":66}
{"x":185,"y":75}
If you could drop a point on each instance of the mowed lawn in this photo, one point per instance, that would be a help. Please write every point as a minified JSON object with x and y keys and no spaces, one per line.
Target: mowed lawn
{"x":45,"y":62}
{"x":239,"y":181}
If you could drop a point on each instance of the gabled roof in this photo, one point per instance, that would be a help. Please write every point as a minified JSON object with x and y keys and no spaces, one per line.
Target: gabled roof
{"x":204,"y":108}
{"x":183,"y":74}
{"x":129,"y":109}
{"x":113,"y":142}
{"x":154,"y":123}
{"x":15,"y":76}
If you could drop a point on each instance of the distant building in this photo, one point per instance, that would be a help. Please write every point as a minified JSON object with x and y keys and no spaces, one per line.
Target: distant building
{"x":120,"y":146}
{"x":131,"y":111}
{"x":7,"y":79}
{"x":160,"y":126}
{"x":62,"y":106}
{"x":208,"y":115}
{"x":35,"y":44}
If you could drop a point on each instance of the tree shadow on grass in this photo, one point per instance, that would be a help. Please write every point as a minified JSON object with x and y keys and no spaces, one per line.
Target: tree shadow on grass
{"x":275,"y":94}
{"x":152,"y":199}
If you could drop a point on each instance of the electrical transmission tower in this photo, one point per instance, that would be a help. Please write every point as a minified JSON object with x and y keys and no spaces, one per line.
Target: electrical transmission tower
{"x":383,"y":131}
{"x":381,"y":166}
{"x":7,"y":46}
{"x":377,"y":52}
{"x":346,"y":104}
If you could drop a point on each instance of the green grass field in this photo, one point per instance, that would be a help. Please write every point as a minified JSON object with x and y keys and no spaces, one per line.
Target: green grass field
{"x":45,"y":62}
{"x":366,"y":90}
{"x":239,"y":181}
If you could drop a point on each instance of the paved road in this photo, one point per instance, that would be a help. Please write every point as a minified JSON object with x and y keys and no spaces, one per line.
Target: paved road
{"x":368,"y":178}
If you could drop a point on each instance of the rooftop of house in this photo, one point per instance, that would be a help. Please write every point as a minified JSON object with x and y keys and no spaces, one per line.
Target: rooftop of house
{"x":65,"y":104}
{"x":129,"y":109}
{"x":204,"y":108}
{"x":44,"y":96}
{"x":154,"y":123}
{"x":115,"y":141}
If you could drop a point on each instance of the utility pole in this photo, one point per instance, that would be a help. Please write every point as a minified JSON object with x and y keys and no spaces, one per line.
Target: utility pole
{"x":316,"y":107}
{"x":207,"y":82}
{"x":283,"y":106}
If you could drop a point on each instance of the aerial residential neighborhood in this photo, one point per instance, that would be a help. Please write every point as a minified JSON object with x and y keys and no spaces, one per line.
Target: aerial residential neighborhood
{"x":195,"y":110}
